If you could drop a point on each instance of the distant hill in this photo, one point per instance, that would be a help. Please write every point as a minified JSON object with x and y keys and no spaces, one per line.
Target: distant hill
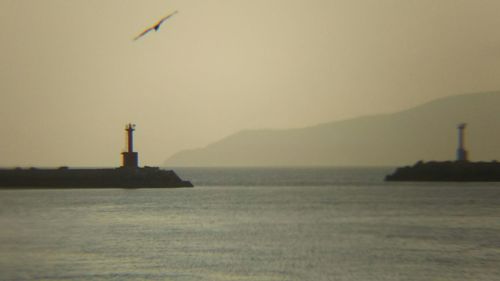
{"x":426,"y":132}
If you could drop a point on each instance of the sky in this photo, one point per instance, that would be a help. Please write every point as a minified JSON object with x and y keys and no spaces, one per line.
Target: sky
{"x":71,"y":76}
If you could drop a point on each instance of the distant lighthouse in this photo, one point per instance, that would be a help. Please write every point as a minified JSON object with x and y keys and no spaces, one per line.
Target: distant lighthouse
{"x":130,"y":158}
{"x":461,"y":152}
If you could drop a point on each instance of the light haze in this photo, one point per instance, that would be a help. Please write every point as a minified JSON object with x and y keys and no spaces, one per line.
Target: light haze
{"x":71,"y":76}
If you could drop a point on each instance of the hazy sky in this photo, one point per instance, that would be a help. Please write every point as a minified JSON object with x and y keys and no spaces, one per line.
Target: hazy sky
{"x":71,"y":77}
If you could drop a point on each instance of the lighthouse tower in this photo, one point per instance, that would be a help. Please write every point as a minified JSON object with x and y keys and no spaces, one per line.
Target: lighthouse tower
{"x":130,"y":158}
{"x":461,"y":152}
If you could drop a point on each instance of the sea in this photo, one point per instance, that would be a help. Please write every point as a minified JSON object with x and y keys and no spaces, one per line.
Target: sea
{"x":259,"y":224}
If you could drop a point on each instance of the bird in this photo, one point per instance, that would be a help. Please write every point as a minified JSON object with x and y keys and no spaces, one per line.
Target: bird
{"x":155,"y":27}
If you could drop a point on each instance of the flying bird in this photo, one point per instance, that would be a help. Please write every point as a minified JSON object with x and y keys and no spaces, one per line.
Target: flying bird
{"x":155,"y":27}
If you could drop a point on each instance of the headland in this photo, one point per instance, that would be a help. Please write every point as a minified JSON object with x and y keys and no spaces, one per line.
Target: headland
{"x":129,"y":175}
{"x":460,"y":170}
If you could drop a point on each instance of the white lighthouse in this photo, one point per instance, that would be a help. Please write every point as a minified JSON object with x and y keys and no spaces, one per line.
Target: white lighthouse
{"x":461,"y":152}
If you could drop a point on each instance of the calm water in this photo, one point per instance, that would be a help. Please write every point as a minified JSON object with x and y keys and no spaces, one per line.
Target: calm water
{"x":255,"y":224}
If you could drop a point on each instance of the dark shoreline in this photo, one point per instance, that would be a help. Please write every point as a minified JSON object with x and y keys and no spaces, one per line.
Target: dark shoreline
{"x":449,"y":171}
{"x":66,"y":178}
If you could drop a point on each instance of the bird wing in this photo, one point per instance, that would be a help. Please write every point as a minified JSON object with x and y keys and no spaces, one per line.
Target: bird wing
{"x":156,"y":26}
{"x":143,"y":33}
{"x":165,"y":18}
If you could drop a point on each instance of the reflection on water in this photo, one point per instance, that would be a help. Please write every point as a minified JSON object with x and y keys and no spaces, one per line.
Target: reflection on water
{"x":358,"y":229}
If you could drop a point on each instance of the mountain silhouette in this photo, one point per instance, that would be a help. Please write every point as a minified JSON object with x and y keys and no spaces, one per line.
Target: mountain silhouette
{"x":426,"y":132}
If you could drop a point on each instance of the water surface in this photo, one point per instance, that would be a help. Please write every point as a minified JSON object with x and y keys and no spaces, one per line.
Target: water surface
{"x":255,"y":224}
